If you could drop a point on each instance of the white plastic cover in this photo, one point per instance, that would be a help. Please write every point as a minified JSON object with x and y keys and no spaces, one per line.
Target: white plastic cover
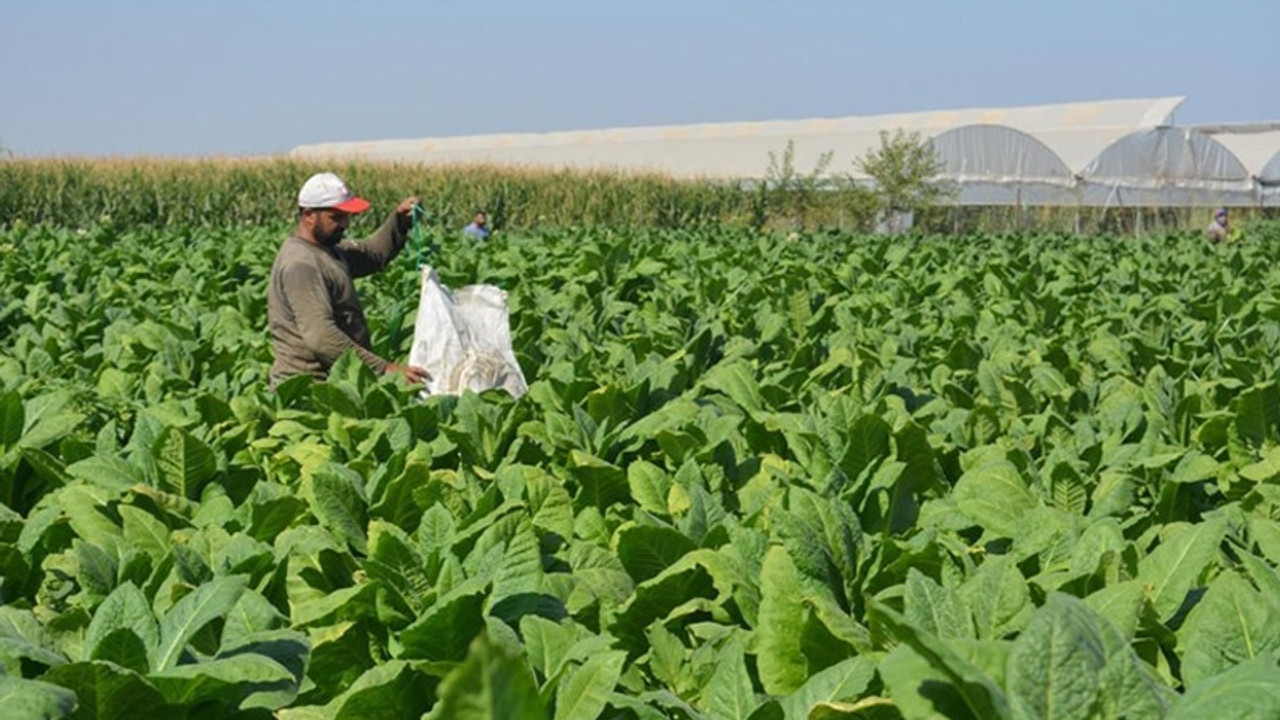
{"x":463,"y":339}
{"x":995,"y":153}
{"x":1167,"y":166}
{"x":1269,"y":175}
{"x":1256,"y":144}
{"x":1106,"y":153}
{"x":740,"y":150}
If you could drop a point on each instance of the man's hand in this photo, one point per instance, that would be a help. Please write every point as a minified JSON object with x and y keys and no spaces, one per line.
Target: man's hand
{"x":413,"y":374}
{"x":404,"y":211}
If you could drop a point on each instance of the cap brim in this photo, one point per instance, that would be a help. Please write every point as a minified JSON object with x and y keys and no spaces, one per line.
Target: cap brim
{"x":353,"y":206}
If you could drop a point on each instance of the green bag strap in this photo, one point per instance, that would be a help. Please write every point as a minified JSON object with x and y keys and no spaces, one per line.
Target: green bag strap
{"x":417,"y":233}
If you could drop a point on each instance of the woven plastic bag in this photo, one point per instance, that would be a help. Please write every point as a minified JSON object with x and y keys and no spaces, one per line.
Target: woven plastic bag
{"x":463,"y":339}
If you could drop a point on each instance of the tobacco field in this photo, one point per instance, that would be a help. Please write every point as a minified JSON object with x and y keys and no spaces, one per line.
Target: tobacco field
{"x":755,"y":477}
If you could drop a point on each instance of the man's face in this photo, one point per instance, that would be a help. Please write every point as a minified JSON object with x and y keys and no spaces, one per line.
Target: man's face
{"x":328,"y":225}
{"x":480,"y":219}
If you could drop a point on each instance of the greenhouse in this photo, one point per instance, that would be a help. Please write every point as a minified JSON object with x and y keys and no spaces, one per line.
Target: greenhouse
{"x":1166,"y":166}
{"x":1257,"y":145}
{"x":1113,"y":153}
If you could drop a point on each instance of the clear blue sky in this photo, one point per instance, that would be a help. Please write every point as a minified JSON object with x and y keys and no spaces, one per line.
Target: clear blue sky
{"x":238,"y":77}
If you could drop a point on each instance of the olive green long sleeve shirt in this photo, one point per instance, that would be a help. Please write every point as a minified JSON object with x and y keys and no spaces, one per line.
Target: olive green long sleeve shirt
{"x":313,"y":310}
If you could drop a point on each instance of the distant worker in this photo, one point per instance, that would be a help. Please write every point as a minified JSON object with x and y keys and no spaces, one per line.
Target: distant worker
{"x":477,"y":230}
{"x":1220,"y":228}
{"x":312,"y":308}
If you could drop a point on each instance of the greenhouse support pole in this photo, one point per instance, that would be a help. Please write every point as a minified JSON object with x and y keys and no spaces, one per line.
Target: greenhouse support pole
{"x":1078,"y":191}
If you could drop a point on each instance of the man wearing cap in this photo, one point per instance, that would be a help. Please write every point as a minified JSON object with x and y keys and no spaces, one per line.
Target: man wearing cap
{"x":1219,"y":229}
{"x":312,"y":308}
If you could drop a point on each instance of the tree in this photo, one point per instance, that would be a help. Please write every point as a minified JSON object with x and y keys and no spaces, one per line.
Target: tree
{"x":904,"y":169}
{"x":795,"y":192}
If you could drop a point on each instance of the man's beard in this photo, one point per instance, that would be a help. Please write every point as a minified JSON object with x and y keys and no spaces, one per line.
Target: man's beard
{"x":330,"y":239}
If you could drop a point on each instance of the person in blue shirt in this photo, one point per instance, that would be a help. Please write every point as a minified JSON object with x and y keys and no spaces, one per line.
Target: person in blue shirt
{"x":477,"y":230}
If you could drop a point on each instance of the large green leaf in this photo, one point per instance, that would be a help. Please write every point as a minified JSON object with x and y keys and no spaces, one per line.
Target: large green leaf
{"x":1249,"y":691}
{"x":199,"y":608}
{"x":106,"y":691}
{"x":124,"y":609}
{"x":1231,"y":624}
{"x":23,"y":637}
{"x":997,"y":597}
{"x":584,"y":692}
{"x":1121,"y":604}
{"x":1258,"y":414}
{"x":33,"y":700}
{"x":1054,"y":668}
{"x":735,"y":379}
{"x":490,"y":685}
{"x":649,"y":486}
{"x":239,"y":682}
{"x":918,"y":690}
{"x":108,"y":472}
{"x":390,"y":690}
{"x":395,"y":562}
{"x":287,"y":648}
{"x":1130,"y":688}
{"x":972,"y":690}
{"x":935,"y":609}
{"x":251,"y":617}
{"x":85,"y":508}
{"x":647,"y":550}
{"x":547,"y":643}
{"x":601,"y":483}
{"x":780,"y":631}
{"x":521,"y":569}
{"x":142,"y":531}
{"x":340,"y":654}
{"x":823,"y":538}
{"x":867,"y":442}
{"x":847,"y":680}
{"x":1179,"y":564}
{"x":336,"y":496}
{"x":185,"y":462}
{"x":12,"y":420}
{"x":994,"y":496}
{"x":730,"y":694}
{"x":446,"y":630}
{"x":680,"y":585}
{"x":597,"y":575}
{"x":48,"y":419}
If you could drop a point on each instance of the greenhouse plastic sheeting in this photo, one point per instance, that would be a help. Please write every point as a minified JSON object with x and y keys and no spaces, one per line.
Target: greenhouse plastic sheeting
{"x":1167,"y":166}
{"x":1270,"y":173}
{"x":998,"y":165}
{"x":1256,"y":144}
{"x":463,"y":339}
{"x":738,"y":150}
{"x":1105,"y":154}
{"x":998,"y":154}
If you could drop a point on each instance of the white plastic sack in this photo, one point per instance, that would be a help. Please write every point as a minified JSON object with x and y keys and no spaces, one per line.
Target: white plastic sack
{"x":463,"y":339}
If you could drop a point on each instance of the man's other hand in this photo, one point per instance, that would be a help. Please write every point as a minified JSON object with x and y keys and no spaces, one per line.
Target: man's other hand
{"x":413,"y":374}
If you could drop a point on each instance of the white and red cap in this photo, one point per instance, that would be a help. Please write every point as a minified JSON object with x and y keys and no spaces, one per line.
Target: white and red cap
{"x":326,"y":190}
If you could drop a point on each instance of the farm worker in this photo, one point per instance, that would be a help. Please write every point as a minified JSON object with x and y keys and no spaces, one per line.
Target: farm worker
{"x":477,"y":229}
{"x":312,"y":308}
{"x":1219,"y":229}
